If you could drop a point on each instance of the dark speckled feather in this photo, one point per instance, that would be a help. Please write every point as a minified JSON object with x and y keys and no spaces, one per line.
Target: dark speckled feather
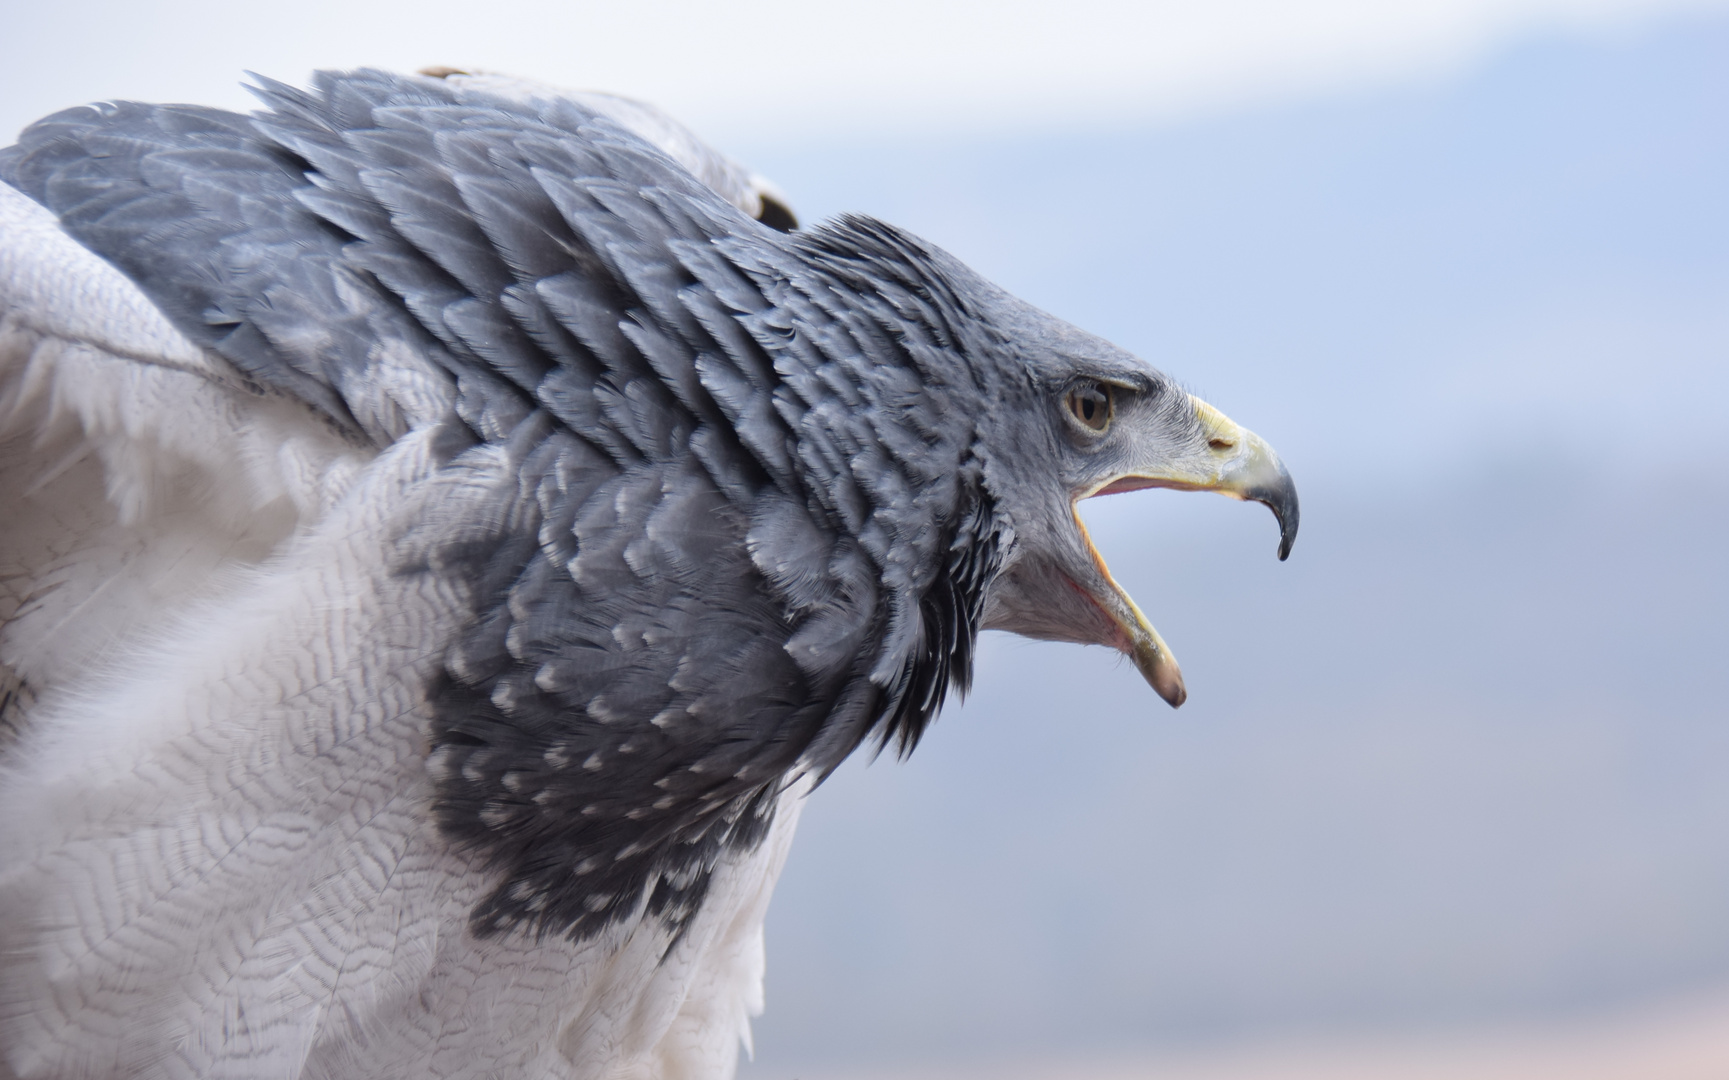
{"x":748,"y":527}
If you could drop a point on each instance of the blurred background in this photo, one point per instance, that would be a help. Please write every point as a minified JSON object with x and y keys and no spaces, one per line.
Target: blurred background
{"x":1450,"y":797}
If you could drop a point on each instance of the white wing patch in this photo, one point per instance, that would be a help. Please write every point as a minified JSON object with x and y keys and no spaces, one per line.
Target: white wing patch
{"x":216,"y":855}
{"x":133,"y":465}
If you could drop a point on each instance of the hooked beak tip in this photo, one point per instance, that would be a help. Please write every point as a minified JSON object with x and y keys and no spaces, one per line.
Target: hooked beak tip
{"x":1283,"y":503}
{"x":1279,"y":494}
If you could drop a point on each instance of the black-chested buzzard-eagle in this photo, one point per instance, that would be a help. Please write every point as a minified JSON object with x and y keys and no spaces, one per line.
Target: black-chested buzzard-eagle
{"x":446,"y":529}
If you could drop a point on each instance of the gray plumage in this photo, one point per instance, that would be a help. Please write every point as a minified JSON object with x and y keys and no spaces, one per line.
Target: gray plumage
{"x":765,"y":488}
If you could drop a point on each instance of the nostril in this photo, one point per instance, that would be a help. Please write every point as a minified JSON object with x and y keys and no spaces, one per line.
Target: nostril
{"x":1221,"y":444}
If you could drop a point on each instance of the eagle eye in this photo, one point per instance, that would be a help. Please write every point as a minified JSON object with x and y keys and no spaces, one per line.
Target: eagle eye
{"x":1091,"y":404}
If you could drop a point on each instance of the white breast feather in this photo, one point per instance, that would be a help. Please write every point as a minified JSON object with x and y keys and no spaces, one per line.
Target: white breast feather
{"x":218,"y":859}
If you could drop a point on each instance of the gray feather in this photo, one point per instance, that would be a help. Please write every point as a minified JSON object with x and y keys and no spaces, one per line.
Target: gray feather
{"x":746,"y":529}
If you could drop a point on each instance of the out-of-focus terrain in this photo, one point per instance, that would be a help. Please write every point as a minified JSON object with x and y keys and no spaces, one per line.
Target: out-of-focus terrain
{"x":1677,"y":1041}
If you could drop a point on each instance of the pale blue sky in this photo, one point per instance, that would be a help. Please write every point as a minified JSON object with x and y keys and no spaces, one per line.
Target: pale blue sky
{"x":746,"y":66}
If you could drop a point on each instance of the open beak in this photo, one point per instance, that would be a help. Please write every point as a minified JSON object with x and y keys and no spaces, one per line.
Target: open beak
{"x":1242,"y":466}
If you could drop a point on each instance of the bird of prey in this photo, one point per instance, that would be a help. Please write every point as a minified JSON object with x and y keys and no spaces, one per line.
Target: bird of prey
{"x":447,"y":528}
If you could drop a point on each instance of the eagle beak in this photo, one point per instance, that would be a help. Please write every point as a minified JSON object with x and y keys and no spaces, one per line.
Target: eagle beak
{"x":1241,"y":465}
{"x":1154,"y":660}
{"x":1251,"y":472}
{"x":1135,"y":635}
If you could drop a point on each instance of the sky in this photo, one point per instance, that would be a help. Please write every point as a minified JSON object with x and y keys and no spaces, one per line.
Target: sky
{"x":1465,"y":264}
{"x":747,"y":66}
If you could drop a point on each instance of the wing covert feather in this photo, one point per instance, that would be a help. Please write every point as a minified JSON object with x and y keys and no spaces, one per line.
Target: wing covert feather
{"x":725,"y":556}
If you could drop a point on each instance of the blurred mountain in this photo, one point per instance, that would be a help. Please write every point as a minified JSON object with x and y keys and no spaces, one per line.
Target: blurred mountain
{"x":1466,"y":756}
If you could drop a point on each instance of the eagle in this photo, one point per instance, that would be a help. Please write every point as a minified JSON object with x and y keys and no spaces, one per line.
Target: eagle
{"x":448,"y":526}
